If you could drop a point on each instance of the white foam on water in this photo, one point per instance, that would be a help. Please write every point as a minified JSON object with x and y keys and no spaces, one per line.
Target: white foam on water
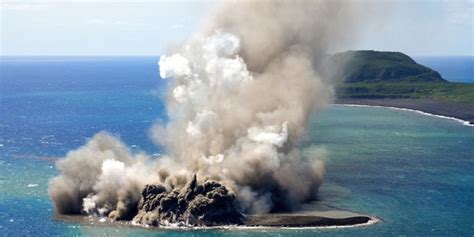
{"x":183,"y":226}
{"x":32,"y":185}
{"x":372,"y":221}
{"x":466,"y":123}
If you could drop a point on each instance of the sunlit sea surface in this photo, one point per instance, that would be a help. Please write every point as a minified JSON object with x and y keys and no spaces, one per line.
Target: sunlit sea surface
{"x":413,"y":171}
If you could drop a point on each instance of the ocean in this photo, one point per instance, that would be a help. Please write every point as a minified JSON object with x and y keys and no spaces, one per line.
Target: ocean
{"x":412,"y":171}
{"x":452,"y":68}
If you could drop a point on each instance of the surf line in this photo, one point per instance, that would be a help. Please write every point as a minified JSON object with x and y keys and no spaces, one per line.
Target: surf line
{"x":463,"y":122}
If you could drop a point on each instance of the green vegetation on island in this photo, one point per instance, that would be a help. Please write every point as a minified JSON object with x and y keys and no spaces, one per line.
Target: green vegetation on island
{"x":394,"y":75}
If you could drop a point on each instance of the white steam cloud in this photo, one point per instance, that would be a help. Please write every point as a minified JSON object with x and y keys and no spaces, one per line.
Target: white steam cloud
{"x":241,"y":96}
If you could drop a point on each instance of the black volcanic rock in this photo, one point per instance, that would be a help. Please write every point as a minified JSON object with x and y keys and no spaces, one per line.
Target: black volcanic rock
{"x":195,"y":204}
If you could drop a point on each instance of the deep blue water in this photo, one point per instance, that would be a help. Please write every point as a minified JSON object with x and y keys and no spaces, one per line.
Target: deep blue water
{"x":456,"y":69}
{"x":63,"y":97}
{"x":413,"y":171}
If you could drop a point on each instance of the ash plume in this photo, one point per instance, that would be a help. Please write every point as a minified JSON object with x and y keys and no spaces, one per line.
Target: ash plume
{"x":242,"y":91}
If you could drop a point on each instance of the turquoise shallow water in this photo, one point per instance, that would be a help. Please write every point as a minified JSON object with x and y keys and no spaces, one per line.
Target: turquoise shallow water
{"x":413,"y":171}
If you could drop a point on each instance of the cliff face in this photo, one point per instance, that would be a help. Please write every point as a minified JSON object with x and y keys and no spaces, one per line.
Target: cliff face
{"x":376,"y":66}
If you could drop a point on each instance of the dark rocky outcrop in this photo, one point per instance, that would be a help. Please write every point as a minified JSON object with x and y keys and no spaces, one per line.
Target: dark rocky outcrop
{"x":195,"y":204}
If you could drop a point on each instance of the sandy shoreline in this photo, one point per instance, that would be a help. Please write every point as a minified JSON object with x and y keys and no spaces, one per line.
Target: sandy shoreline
{"x":252,"y":221}
{"x":291,"y":220}
{"x":462,"y":112}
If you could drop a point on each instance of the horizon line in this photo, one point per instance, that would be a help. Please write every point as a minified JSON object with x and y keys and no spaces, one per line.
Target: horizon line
{"x":159,"y":55}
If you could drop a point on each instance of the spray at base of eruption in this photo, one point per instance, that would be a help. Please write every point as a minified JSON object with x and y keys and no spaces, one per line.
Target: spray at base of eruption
{"x":236,"y":115}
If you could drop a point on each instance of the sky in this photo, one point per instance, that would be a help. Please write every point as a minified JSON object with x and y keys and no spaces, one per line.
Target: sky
{"x":147,"y":27}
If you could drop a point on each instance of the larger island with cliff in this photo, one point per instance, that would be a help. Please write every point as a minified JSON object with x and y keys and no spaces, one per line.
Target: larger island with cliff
{"x":394,"y":79}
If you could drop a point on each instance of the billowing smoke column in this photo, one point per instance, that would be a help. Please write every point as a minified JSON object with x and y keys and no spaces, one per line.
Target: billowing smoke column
{"x":241,"y":95}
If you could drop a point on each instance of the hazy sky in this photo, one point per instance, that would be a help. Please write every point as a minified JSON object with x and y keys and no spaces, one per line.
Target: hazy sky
{"x":102,"y":27}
